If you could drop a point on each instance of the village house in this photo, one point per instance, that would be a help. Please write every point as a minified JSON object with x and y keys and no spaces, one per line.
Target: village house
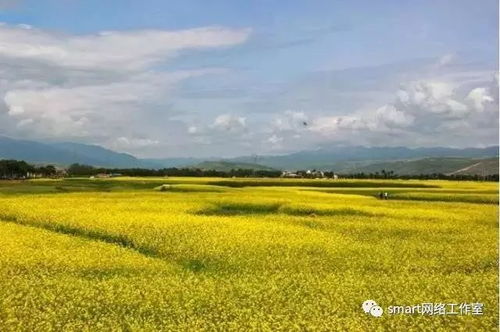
{"x":288,"y":174}
{"x":315,"y":174}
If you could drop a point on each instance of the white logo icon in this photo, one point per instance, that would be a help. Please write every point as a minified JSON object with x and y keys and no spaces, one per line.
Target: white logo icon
{"x":376,"y":311}
{"x":371,"y":307}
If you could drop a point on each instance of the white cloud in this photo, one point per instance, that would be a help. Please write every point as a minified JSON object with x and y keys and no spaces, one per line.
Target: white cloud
{"x":479,"y":97}
{"x":425,"y":111}
{"x":290,"y":121}
{"x":229,"y":123}
{"x":192,"y":129}
{"x":24,"y":122}
{"x":115,"y":88}
{"x":274,"y":139}
{"x":120,"y":50}
{"x":16,"y":110}
{"x":446,"y":59}
{"x":390,"y":116}
{"x":96,"y":86}
{"x":82,"y":110}
{"x":130,"y":142}
{"x":225,"y":129}
{"x":430,"y":97}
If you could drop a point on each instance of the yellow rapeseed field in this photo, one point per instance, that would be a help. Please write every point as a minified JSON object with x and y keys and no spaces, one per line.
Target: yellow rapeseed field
{"x":245,"y":254}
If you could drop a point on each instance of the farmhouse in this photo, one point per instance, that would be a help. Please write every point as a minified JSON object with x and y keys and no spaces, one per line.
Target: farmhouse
{"x":315,"y":174}
{"x":288,"y":174}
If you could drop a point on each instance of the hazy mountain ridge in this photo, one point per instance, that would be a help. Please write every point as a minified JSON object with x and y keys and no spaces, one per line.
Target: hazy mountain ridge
{"x":401,"y":160}
{"x":65,"y":154}
{"x":336,"y":157}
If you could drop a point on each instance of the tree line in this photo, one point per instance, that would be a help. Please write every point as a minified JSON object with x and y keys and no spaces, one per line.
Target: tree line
{"x":86,"y":170}
{"x":18,"y":169}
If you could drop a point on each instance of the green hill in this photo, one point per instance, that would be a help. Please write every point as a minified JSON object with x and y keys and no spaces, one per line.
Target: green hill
{"x":450,"y":166}
{"x":481,"y":167}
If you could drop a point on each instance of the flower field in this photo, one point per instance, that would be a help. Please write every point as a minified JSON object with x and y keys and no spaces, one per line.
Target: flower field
{"x":245,"y":254}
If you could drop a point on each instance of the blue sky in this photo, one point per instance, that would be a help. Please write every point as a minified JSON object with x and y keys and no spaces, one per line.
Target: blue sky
{"x":226,"y":78}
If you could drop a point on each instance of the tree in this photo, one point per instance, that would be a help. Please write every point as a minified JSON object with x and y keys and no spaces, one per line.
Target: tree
{"x":48,"y":170}
{"x":79,"y":169}
{"x":14,"y":169}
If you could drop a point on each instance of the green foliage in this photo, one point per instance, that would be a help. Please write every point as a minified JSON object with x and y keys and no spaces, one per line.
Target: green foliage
{"x":15,"y":169}
{"x":416,"y":167}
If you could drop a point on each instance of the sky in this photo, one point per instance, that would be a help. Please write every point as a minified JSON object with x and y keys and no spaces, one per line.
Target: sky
{"x":186,"y":78}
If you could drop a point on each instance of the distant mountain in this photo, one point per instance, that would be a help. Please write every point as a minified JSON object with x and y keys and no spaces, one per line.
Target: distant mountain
{"x":65,"y":154}
{"x":339,"y":159}
{"x":226,"y":166}
{"x":465,"y":166}
{"x":342,"y":157}
{"x":99,"y":156}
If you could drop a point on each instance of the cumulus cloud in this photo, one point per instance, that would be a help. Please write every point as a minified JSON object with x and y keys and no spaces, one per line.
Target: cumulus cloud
{"x":229,"y":123}
{"x":115,"y":88}
{"x":423,"y":111}
{"x":431,"y":97}
{"x":67,"y":86}
{"x":480,"y":97}
{"x":225,"y":129}
{"x":82,"y":109}
{"x":391,"y":117}
{"x":274,"y":139}
{"x":226,"y":124}
{"x":290,"y":121}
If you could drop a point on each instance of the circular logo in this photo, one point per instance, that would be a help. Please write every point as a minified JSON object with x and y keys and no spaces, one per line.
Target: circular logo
{"x":376,"y":311}
{"x":367,"y":305}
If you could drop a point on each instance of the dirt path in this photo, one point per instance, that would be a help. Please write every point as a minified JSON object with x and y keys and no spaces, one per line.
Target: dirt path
{"x":464,"y":169}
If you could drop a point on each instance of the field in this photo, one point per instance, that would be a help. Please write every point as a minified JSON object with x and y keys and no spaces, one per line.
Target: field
{"x":244,"y":254}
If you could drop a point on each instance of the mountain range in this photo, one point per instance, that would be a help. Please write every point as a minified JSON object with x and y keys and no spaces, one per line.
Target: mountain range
{"x":345,"y":156}
{"x":344,"y":159}
{"x":65,"y":154}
